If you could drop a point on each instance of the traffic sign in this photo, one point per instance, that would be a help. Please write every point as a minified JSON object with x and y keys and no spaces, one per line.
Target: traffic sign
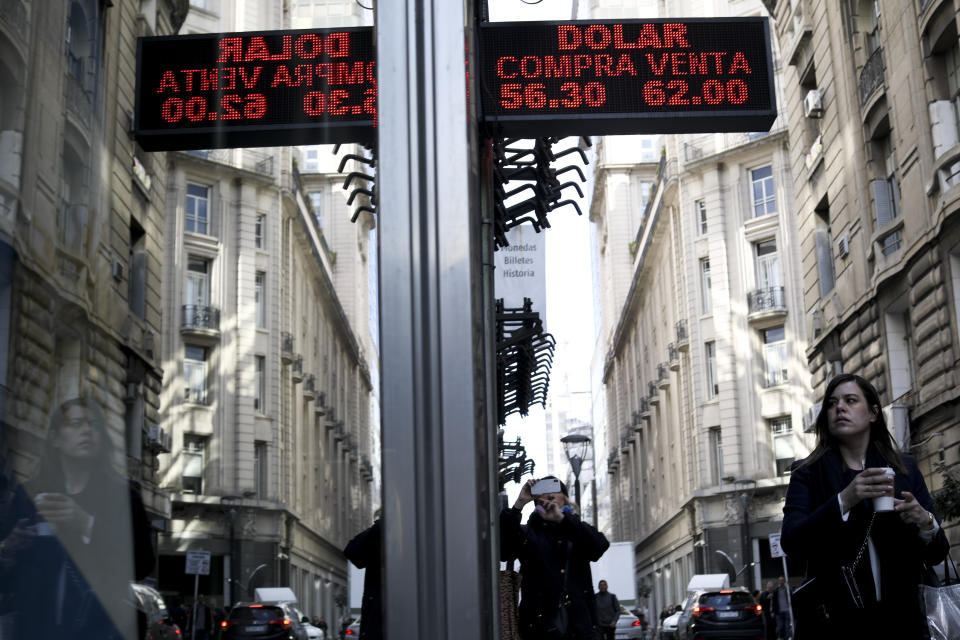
{"x":776,"y":551}
{"x":198,"y":563}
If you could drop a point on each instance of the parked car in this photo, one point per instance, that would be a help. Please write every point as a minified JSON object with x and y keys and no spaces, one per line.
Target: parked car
{"x":668,"y":628}
{"x":353,"y":629}
{"x":153,"y":614}
{"x":629,"y":626}
{"x":259,"y":621}
{"x":314,"y":633}
{"x":723,"y":613}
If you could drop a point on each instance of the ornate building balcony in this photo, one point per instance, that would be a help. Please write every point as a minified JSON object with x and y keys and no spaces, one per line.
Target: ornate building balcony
{"x":673,"y":355}
{"x":683,"y":338}
{"x":200,"y":321}
{"x":663,"y":375}
{"x":765,"y":304}
{"x":653,"y":394}
{"x":296,"y":371}
{"x":286,"y":347}
{"x":310,"y":386}
{"x":645,"y":408}
{"x":871,"y":77}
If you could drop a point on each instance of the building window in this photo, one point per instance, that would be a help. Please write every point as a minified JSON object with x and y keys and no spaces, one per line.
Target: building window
{"x":259,"y":231}
{"x":710,"y":349}
{"x":823,"y":238}
{"x":774,"y":356}
{"x":781,"y":433}
{"x":198,"y":282}
{"x":194,"y":374}
{"x":194,"y":454}
{"x":706,"y":286}
{"x":701,"y":208}
{"x":137,"y":270}
{"x":260,"y":297}
{"x":260,"y":468}
{"x":899,"y":348}
{"x":198,"y":208}
{"x":311,"y":159}
{"x":768,"y":265}
{"x":316,"y":203}
{"x":762,"y":193}
{"x":886,"y":196}
{"x":716,"y":455}
{"x":261,"y":382}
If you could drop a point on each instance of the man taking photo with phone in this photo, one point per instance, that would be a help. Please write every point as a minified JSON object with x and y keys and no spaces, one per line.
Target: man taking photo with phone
{"x":555,"y":549}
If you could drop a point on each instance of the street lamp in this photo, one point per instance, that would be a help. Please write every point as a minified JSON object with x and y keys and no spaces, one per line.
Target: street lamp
{"x":234,"y":557}
{"x":575,"y":447}
{"x":745,"y":496}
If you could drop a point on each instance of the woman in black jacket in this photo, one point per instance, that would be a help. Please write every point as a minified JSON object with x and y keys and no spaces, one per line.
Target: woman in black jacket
{"x":553,"y":538}
{"x":828,"y":510}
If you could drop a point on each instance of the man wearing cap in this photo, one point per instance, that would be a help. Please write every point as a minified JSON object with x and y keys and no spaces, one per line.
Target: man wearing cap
{"x":555,"y":549}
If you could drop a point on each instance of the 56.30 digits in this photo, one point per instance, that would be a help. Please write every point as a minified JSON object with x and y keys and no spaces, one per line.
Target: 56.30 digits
{"x":534,"y":95}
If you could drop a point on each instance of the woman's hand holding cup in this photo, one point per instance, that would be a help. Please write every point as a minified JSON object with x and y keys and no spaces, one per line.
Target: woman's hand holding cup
{"x":876,"y":482}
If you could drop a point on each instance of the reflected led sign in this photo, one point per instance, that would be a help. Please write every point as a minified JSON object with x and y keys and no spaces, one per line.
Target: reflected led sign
{"x":255,"y":89}
{"x":627,"y":76}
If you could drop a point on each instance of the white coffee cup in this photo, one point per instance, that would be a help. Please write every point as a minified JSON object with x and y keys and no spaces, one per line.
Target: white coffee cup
{"x":885,"y":503}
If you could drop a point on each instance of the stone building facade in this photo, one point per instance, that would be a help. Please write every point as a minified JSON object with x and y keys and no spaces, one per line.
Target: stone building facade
{"x":705,"y":374}
{"x":873,"y":92}
{"x":81,"y":233}
{"x":270,"y":360}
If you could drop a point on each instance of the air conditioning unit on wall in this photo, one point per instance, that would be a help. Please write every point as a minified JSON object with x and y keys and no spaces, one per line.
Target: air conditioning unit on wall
{"x":813,"y":104}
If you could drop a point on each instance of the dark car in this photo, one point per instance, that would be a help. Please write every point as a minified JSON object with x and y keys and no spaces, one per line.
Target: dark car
{"x":257,"y":621}
{"x":724,"y":613}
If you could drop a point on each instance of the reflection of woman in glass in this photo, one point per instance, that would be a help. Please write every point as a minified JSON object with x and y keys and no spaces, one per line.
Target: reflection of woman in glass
{"x":84,"y":535}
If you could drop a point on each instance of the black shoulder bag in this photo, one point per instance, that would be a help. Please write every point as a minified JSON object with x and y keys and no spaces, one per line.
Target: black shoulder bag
{"x":823,"y":596}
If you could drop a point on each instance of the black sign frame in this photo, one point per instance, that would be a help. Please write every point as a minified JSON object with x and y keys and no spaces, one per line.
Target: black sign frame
{"x":221,"y":133}
{"x":550,"y":121}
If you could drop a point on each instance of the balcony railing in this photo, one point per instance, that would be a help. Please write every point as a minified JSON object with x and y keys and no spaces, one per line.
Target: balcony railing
{"x":296,"y":371}
{"x":309,"y":386}
{"x":653,"y":392}
{"x":764,"y":300}
{"x":682,"y":336}
{"x":871,"y":76}
{"x":663,"y":375}
{"x":774,"y":378}
{"x":200,"y":317}
{"x":286,"y":347}
{"x":673,"y":355}
{"x":644,"y":407}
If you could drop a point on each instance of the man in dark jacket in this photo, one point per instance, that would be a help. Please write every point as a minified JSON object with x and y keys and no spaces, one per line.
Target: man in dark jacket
{"x":608,"y":611}
{"x":555,"y":549}
{"x":364,"y":552}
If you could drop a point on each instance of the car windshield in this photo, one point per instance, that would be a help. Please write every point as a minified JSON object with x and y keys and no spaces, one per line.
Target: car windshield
{"x":725,"y":599}
{"x":255,"y":614}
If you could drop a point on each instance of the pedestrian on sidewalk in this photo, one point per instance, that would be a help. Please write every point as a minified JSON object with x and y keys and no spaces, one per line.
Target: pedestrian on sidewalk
{"x":608,"y":610}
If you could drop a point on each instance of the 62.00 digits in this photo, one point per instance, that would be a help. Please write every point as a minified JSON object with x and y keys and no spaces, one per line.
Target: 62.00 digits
{"x":656,"y":92}
{"x":534,"y":96}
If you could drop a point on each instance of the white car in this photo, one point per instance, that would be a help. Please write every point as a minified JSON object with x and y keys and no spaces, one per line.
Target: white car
{"x":313,"y":633}
{"x":629,"y":626}
{"x":668,"y":630}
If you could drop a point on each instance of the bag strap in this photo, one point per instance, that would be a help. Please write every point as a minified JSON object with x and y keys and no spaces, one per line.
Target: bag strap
{"x":566,"y":572}
{"x":863,"y":546}
{"x":946,"y":571}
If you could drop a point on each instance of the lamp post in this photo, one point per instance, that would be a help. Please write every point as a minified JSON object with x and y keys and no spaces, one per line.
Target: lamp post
{"x":234,"y":556}
{"x":746,"y":484}
{"x":575,"y":447}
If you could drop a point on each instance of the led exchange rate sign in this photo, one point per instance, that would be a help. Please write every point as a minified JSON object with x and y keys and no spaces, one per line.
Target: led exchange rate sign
{"x":628,"y":76}
{"x":255,"y":89}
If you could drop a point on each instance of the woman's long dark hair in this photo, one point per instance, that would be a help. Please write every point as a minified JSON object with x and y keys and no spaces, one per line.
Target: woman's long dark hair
{"x":880,"y":439}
